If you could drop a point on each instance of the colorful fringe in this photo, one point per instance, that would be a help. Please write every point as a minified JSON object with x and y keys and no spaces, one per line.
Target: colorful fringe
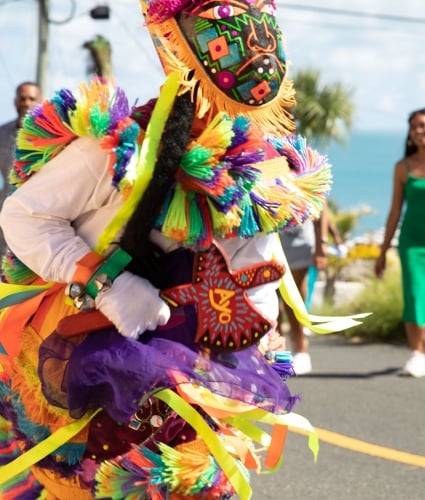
{"x":144,"y":474}
{"x":220,"y":193}
{"x":24,"y":485}
{"x":99,"y":111}
{"x":216,"y":192}
{"x":70,"y":452}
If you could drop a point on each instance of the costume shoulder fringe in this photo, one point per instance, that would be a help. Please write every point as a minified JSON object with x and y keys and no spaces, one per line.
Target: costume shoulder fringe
{"x":227,"y":184}
{"x":98,"y":110}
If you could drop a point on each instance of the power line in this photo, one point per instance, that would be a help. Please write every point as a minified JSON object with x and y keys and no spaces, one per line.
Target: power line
{"x":4,"y":2}
{"x":45,"y":12}
{"x":354,"y":13}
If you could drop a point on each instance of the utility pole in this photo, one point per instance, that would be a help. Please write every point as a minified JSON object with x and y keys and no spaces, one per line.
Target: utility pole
{"x":43,"y":42}
{"x":101,"y":11}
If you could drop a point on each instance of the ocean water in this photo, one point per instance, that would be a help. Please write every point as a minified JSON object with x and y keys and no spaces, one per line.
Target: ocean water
{"x":363,"y":175}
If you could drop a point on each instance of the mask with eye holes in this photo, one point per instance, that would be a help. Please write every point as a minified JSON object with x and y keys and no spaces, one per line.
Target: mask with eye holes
{"x":239,"y":45}
{"x":231,"y":51}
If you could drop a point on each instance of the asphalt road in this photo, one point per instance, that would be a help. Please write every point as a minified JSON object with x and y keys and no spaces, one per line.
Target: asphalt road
{"x":355,"y":390}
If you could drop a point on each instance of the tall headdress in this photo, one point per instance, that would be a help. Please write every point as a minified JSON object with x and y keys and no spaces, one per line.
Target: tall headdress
{"x":228,"y":53}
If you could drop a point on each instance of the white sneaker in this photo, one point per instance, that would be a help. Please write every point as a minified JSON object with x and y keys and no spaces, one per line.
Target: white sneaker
{"x":415,"y":365}
{"x":301,"y":363}
{"x":307,"y":332}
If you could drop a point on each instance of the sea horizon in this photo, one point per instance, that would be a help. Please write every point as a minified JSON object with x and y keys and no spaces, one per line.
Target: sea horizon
{"x":363,"y":170}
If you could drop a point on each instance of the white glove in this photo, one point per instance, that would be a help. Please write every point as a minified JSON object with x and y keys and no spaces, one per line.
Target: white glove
{"x":340,"y":251}
{"x":133,"y":305}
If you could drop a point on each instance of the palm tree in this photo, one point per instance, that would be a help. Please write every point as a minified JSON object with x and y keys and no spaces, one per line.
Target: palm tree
{"x":324,"y":112}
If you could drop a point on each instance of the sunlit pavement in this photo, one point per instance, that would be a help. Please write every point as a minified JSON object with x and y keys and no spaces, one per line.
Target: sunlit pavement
{"x":371,"y":422}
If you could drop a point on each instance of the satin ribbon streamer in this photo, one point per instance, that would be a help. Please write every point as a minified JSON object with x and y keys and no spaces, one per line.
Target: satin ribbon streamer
{"x":146,"y":162}
{"x":44,"y":448}
{"x":227,"y":463}
{"x":291,"y":295}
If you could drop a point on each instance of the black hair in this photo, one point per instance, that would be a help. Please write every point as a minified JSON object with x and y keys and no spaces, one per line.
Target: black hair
{"x":409,"y":147}
{"x":23,"y":84}
{"x":135,"y":239}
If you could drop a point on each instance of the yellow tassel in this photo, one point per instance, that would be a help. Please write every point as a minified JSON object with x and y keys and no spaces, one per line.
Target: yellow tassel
{"x":188,"y":465}
{"x":218,"y":135}
{"x":224,"y":223}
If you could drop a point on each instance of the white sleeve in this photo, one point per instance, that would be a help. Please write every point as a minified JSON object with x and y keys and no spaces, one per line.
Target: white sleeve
{"x":46,"y":220}
{"x":245,"y":252}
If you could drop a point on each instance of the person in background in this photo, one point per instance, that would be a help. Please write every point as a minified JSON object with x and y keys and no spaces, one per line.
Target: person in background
{"x":337,"y":246}
{"x":27,"y":95}
{"x":409,"y":190}
{"x":305,"y":247}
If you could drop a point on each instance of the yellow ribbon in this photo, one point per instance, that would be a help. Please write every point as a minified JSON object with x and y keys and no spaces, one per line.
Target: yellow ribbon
{"x":241,"y":414}
{"x":44,"y":448}
{"x":11,"y":294}
{"x":291,"y":295}
{"x":227,"y":463}
{"x":146,"y":163}
{"x":292,"y":420}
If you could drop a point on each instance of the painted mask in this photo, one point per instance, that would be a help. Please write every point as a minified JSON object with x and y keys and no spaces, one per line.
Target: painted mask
{"x":228,"y":53}
{"x":239,"y":46}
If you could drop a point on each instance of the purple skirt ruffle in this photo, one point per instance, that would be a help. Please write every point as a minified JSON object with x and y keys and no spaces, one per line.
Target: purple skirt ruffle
{"x":106,"y":370}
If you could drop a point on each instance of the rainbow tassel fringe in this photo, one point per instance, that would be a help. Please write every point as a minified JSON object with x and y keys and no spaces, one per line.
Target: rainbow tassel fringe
{"x":99,"y":111}
{"x":23,"y":485}
{"x":145,"y":474}
{"x":220,"y":188}
{"x":230,"y":191}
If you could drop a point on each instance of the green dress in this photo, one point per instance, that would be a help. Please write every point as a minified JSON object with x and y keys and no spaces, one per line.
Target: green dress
{"x":411,"y":249}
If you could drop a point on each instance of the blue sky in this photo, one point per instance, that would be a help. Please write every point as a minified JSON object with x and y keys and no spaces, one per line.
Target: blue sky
{"x":381,"y":61}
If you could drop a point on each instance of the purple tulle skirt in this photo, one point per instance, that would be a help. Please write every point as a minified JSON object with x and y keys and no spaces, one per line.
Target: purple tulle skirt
{"x":106,"y":370}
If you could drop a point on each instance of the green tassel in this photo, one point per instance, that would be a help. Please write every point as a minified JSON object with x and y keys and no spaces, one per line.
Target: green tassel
{"x":99,"y":121}
{"x":196,"y":224}
{"x":16,"y":271}
{"x":33,"y":129}
{"x":267,"y":221}
{"x":111,"y":480}
{"x":196,"y":163}
{"x":187,"y":472}
{"x":175,"y":223}
{"x":222,"y":223}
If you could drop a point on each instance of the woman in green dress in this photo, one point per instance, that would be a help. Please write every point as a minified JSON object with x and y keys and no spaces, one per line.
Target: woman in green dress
{"x":409,"y":190}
